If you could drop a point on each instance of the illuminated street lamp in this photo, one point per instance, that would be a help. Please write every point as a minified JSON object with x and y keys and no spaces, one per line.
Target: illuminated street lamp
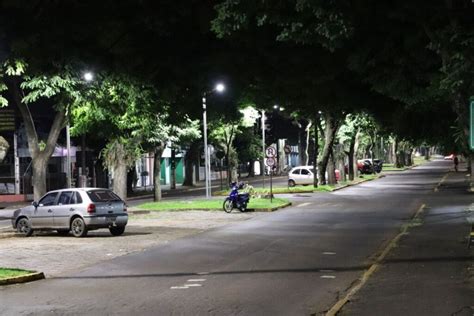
{"x":88,"y":77}
{"x":207,"y":170}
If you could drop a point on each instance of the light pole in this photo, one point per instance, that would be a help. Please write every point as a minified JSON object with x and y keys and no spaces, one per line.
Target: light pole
{"x":88,"y":77}
{"x":207,"y":169}
{"x":263,"y":148}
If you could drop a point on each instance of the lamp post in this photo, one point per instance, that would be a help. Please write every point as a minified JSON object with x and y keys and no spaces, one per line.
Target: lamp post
{"x":263,"y":148}
{"x":88,"y":77}
{"x":207,"y":169}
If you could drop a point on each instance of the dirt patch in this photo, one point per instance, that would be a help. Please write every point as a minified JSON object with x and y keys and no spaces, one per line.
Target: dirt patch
{"x":58,"y":255}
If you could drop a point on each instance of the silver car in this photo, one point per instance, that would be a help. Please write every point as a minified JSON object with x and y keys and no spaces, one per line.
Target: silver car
{"x":75,"y":210}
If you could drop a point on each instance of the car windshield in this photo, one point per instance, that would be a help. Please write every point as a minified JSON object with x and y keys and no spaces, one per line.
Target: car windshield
{"x":103,"y":196}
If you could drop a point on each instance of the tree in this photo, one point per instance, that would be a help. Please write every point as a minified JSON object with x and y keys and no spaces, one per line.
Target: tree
{"x":27,"y":88}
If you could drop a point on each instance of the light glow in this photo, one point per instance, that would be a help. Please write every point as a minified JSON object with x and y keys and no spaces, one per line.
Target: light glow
{"x":88,"y":76}
{"x":220,"y":87}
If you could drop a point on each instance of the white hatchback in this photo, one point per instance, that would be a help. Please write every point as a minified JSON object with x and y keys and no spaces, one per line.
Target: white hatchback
{"x":301,"y":175}
{"x":75,"y":210}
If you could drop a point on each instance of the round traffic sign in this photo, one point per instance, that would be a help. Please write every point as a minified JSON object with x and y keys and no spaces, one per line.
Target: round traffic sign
{"x":270,"y":152}
{"x":270,"y":162}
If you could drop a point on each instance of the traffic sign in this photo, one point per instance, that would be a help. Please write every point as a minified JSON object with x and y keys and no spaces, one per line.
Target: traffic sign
{"x":287,"y":149}
{"x":270,"y":162}
{"x":270,"y":152}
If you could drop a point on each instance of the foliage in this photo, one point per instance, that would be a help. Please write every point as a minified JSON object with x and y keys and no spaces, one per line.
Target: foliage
{"x":302,"y":21}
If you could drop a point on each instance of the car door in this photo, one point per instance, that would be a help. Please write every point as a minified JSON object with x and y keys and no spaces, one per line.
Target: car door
{"x":64,"y":208}
{"x":43,"y":216}
{"x":306,"y":176}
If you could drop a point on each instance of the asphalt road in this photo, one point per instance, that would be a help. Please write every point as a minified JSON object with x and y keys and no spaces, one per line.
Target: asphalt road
{"x":296,"y":261}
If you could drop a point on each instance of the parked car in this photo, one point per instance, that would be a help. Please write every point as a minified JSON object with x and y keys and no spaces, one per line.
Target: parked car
{"x":75,"y":210}
{"x":364,"y":166}
{"x":304,"y":175}
{"x":450,"y":157}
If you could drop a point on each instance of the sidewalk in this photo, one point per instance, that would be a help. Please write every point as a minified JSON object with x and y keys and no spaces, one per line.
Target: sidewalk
{"x":431,"y":271}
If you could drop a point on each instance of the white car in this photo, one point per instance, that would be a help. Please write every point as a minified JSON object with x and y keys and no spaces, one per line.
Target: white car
{"x":304,"y":175}
{"x":75,"y":210}
{"x":301,"y":175}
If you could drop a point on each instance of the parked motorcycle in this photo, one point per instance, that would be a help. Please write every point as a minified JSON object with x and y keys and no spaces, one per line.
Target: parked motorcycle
{"x":236,"y":199}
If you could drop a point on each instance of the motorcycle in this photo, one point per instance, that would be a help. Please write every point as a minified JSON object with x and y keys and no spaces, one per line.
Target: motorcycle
{"x":236,"y":199}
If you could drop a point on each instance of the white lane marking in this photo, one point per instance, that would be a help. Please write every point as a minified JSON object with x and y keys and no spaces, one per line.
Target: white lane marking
{"x":328,"y":277}
{"x":202,"y":273}
{"x":303,"y":204}
{"x":193,"y":285}
{"x":329,"y":253}
{"x":196,"y":280}
{"x":6,"y":227}
{"x":179,"y":287}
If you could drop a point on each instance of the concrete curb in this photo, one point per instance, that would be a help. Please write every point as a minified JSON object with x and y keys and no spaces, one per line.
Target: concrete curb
{"x":23,"y":279}
{"x":362,"y":181}
{"x":140,"y":212}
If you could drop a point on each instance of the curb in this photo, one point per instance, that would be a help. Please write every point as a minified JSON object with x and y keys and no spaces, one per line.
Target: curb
{"x":23,"y":279}
{"x":7,"y":235}
{"x":362,"y":181}
{"x":271,"y":209}
{"x":139,"y":212}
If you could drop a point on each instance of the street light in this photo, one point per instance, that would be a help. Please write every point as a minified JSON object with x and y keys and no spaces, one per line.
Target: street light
{"x":88,"y":77}
{"x":207,"y":170}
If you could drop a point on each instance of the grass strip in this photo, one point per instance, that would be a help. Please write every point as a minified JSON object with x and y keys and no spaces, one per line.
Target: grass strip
{"x":6,"y":273}
{"x":214,"y":204}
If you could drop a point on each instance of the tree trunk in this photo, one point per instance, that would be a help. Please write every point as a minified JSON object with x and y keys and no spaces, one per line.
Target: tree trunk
{"x":331,"y":169}
{"x":329,"y":135}
{"x":306,"y":154}
{"x":316,"y":149}
{"x":190,"y":160}
{"x":39,"y":167}
{"x":356,"y":150}
{"x":157,"y":172}
{"x":173,"y":169}
{"x":120,"y":180}
{"x":350,"y":156}
{"x":251,"y":169}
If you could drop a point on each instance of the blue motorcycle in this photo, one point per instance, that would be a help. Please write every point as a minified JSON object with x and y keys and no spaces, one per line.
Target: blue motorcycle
{"x":236,"y":199}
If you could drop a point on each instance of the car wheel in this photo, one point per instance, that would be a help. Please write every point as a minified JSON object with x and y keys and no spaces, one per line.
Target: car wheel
{"x":78,"y":227}
{"x":23,"y":227}
{"x":63,"y":232}
{"x":117,"y":230}
{"x":291,"y":183}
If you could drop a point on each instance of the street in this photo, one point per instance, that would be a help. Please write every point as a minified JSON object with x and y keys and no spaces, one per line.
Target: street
{"x":297,"y":261}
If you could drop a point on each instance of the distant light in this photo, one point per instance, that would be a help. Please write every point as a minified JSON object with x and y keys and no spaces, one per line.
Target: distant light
{"x":276,"y":106}
{"x":88,"y":76}
{"x":220,"y":87}
{"x":282,"y":108}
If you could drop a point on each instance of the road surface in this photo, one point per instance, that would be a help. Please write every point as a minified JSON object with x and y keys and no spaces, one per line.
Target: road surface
{"x":297,"y":261}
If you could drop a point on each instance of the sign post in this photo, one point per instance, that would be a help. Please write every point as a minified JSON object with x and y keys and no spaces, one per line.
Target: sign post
{"x":270,"y":152}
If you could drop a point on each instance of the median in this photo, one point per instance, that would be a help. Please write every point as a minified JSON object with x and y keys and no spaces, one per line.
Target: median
{"x":12,"y":276}
{"x":255,"y":204}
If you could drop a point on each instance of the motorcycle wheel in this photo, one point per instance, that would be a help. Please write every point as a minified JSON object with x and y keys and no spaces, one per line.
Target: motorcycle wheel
{"x":243,"y":207}
{"x":228,"y":206}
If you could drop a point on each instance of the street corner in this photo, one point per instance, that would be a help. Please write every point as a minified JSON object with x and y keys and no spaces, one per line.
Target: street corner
{"x":30,"y":277}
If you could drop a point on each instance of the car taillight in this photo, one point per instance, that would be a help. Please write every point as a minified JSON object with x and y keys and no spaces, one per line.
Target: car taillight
{"x":91,"y":208}
{"x":125,"y":207}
